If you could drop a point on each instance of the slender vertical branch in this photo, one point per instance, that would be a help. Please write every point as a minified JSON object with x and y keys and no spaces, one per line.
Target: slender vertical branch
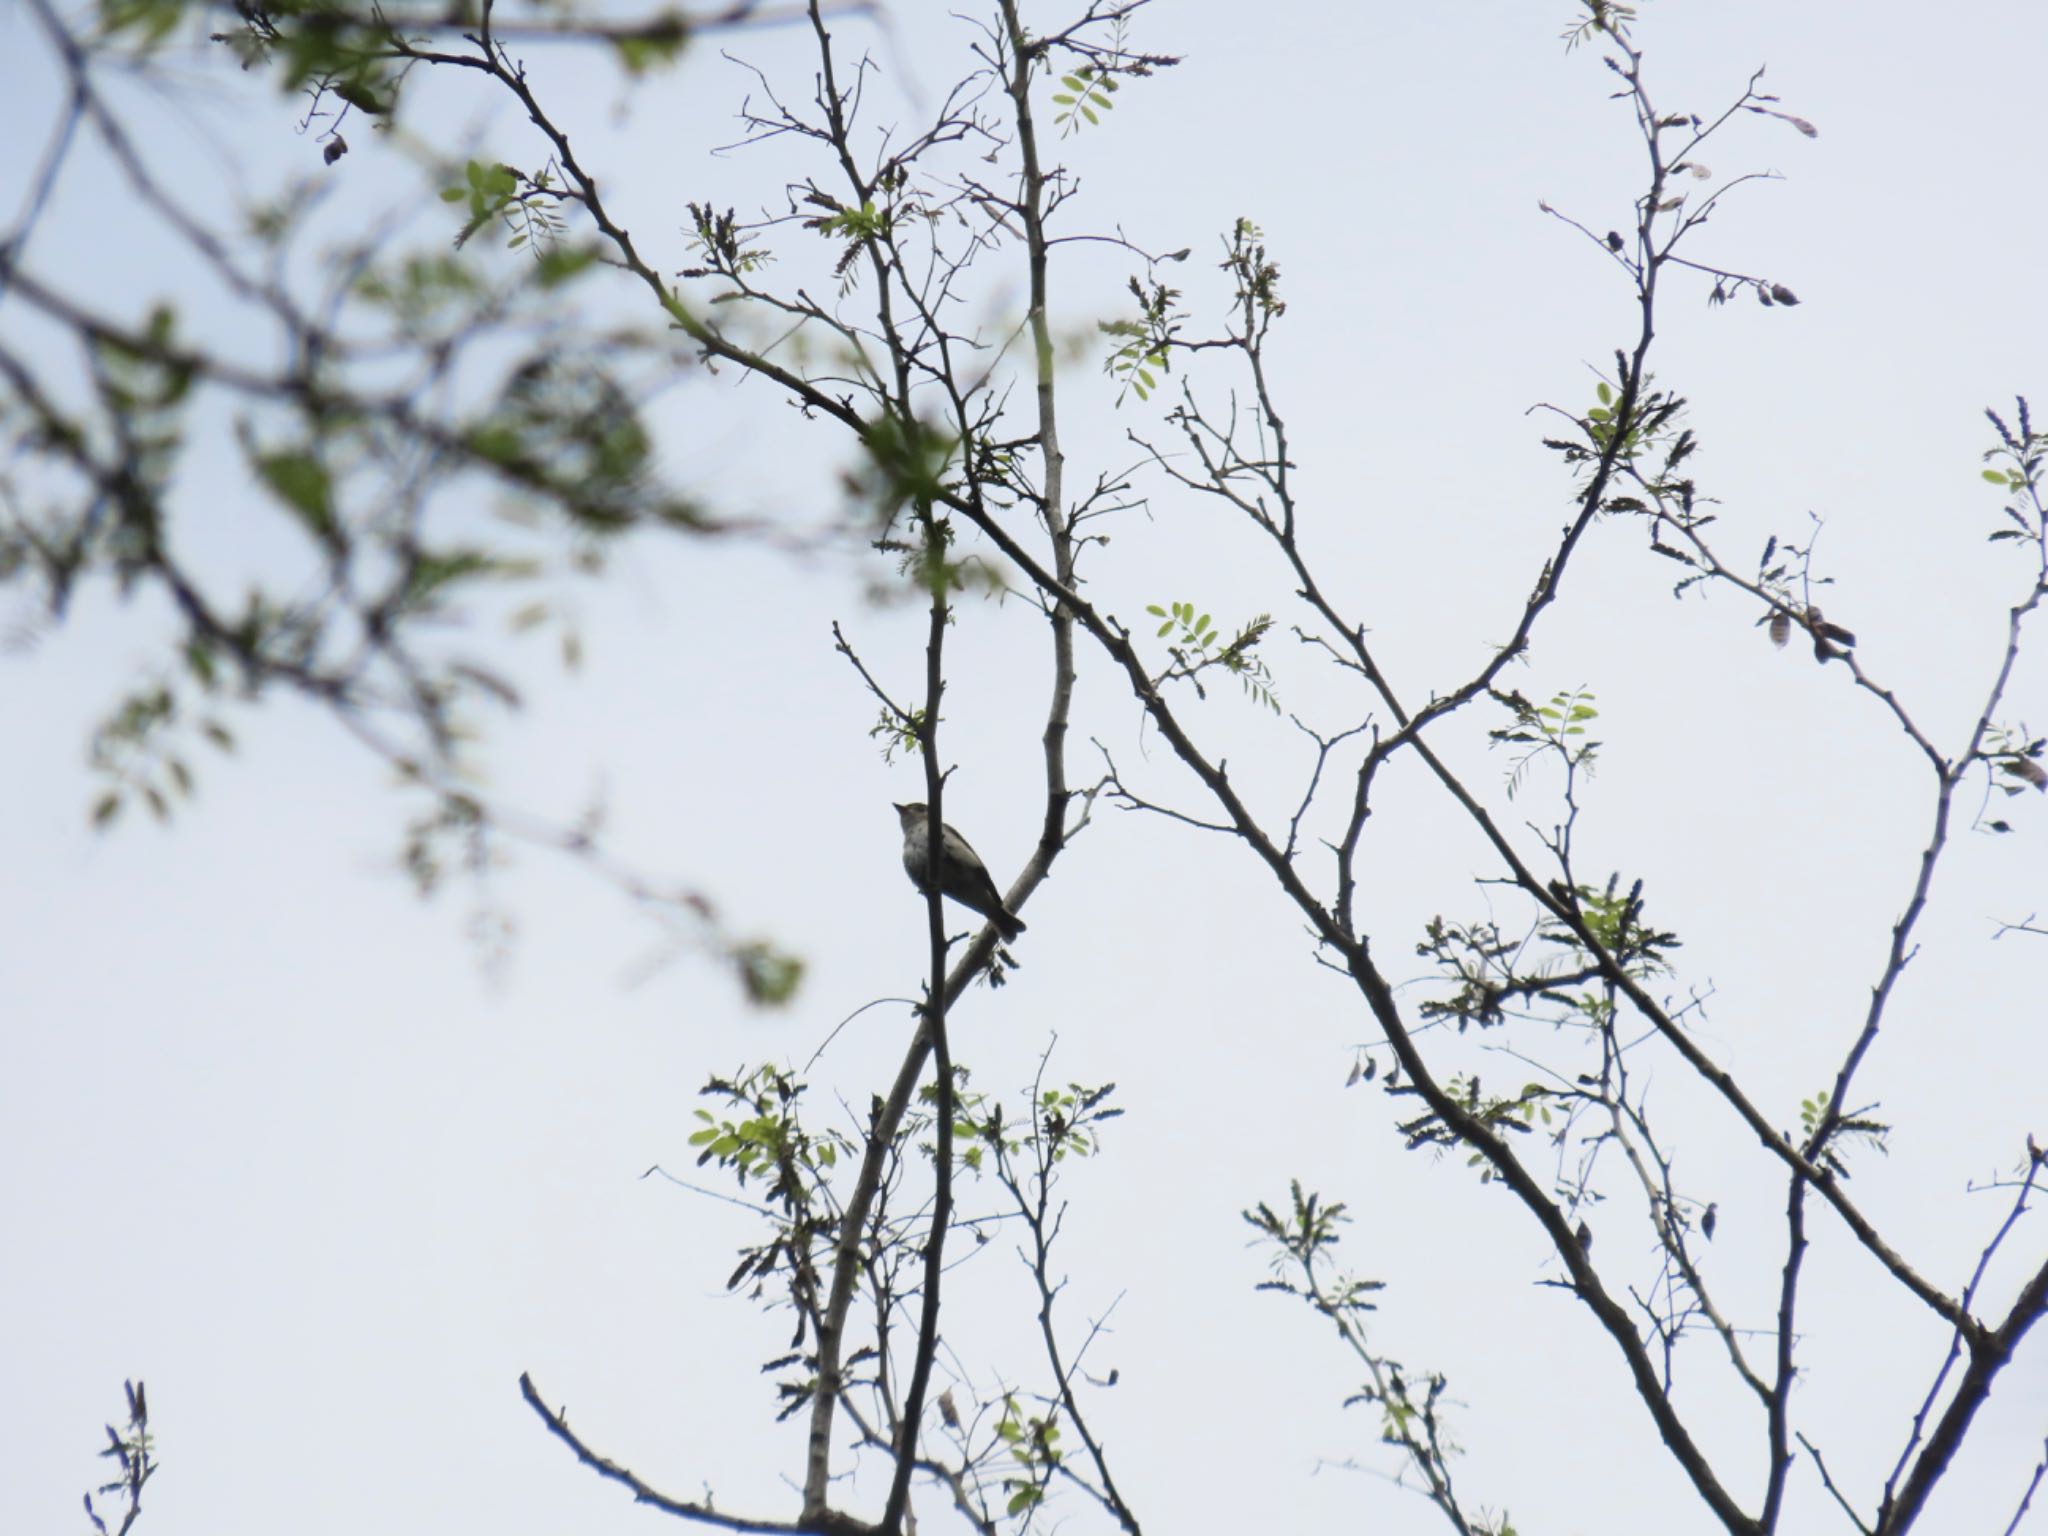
{"x":934,"y":1031}
{"x":1052,"y":497}
{"x":1778,"y":1406}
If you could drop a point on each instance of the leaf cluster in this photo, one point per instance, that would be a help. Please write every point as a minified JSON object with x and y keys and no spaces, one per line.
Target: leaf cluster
{"x":1556,"y":727}
{"x":134,"y":1456}
{"x":1518,"y":1112}
{"x":1033,"y":1443}
{"x":1197,"y":649}
{"x":1144,"y":345}
{"x":528,"y":206}
{"x":729,"y":248}
{"x":1823,"y":1129}
{"x":2014,"y":466}
{"x":1254,"y":274}
{"x":1063,"y":1122}
{"x":762,"y":1137}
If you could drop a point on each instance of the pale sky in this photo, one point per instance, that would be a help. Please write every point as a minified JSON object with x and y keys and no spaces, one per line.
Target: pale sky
{"x":276,"y":1141}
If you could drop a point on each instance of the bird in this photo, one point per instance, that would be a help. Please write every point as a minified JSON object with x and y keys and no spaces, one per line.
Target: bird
{"x":962,"y":875}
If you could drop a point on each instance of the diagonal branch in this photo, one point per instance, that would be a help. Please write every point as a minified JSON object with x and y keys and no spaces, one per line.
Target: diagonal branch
{"x":829,"y":1523}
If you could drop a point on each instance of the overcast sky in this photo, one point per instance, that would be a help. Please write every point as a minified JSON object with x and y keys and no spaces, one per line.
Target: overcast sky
{"x":276,"y":1138}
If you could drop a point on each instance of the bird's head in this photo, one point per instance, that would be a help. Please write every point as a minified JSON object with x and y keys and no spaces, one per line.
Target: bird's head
{"x":911,"y":813}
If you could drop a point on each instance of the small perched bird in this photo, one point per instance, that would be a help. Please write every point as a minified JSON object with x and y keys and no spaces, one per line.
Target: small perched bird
{"x":962,"y":875}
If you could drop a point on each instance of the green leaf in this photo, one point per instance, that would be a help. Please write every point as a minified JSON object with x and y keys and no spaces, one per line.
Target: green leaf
{"x":653,"y":45}
{"x":770,"y":976}
{"x":153,"y":19}
{"x":561,"y":263}
{"x":435,"y":569}
{"x":300,"y":481}
{"x":497,"y":443}
{"x":364,"y":96}
{"x":1995,"y":476}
